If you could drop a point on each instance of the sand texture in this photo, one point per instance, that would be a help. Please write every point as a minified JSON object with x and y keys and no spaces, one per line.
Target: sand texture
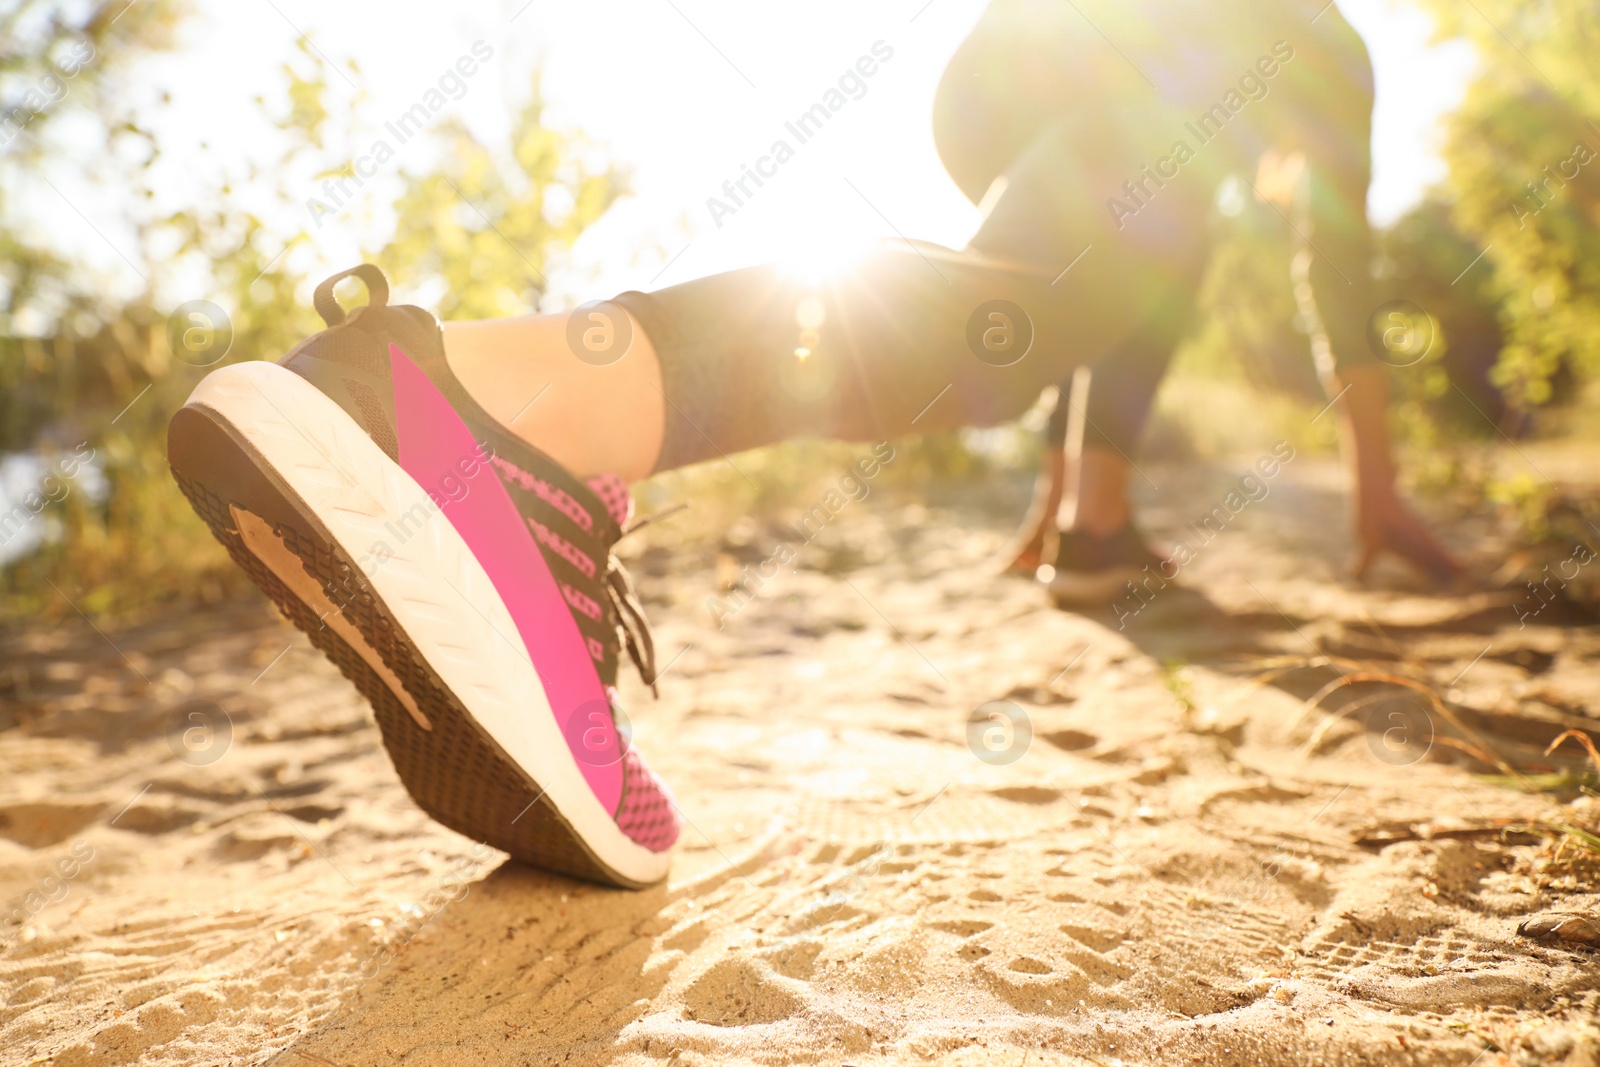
{"x":1180,"y":868}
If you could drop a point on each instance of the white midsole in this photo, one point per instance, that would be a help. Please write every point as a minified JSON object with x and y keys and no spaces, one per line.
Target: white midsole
{"x":1092,"y":589}
{"x":432,"y":584}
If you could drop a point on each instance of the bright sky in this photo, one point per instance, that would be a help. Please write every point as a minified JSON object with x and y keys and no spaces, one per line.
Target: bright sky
{"x":683,"y":93}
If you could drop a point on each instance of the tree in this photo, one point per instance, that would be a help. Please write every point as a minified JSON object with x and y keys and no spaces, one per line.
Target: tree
{"x":1524,"y":181}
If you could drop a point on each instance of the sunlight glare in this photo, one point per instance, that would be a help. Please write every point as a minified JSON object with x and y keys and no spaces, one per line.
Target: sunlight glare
{"x":819,"y":258}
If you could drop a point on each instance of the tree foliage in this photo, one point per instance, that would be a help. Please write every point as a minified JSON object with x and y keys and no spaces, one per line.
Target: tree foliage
{"x":1524,"y":181}
{"x":478,"y":227}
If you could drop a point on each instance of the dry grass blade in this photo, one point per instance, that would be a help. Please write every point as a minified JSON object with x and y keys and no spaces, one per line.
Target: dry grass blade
{"x":1270,"y":671}
{"x":1582,"y":739}
{"x":1348,"y":670}
{"x":1314,"y":742}
{"x":1390,"y":678}
{"x":1275,"y":667}
{"x":1587,"y":839}
{"x":1483,"y":757}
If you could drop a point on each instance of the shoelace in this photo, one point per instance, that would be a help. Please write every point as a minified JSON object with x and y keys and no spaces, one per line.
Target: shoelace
{"x":636,"y":633}
{"x":637,"y":636}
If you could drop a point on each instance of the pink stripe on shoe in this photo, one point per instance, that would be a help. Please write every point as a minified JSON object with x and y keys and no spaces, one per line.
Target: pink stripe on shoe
{"x":556,"y":498}
{"x":580,"y":602}
{"x":562,"y":547}
{"x":436,"y":445}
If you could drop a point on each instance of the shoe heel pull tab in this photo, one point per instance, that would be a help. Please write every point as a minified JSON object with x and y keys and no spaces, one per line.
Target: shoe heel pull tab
{"x":327,"y":304}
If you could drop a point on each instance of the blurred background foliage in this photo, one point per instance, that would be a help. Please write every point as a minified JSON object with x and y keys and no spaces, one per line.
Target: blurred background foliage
{"x":74,"y":367}
{"x":1529,"y":118}
{"x":1519,"y":347}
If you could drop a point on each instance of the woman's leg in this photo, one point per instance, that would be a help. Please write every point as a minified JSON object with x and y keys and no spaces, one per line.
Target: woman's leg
{"x":1057,"y":479}
{"x":722,"y":364}
{"x":914,"y":339}
{"x":752,"y":357}
{"x":993,"y":100}
{"x":920,"y":339}
{"x":1115,"y":399}
{"x":592,"y":415}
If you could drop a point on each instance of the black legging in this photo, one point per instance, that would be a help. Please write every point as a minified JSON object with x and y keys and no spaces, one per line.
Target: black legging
{"x":1058,"y":102}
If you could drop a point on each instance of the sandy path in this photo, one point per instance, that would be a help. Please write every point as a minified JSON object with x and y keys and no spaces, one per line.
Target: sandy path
{"x":1162,"y":875}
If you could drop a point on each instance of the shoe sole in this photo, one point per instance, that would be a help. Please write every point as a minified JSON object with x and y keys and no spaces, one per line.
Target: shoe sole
{"x":298,"y":493}
{"x":1080,"y":589}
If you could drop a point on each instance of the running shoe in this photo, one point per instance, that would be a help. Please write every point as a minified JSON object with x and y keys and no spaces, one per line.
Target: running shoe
{"x":1094,"y":571}
{"x":463,"y":580}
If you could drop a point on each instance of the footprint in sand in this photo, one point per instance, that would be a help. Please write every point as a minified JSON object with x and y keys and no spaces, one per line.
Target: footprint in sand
{"x":739,"y":993}
{"x":41,"y":825}
{"x":1027,"y":794}
{"x":1097,"y":940}
{"x":1071,"y":740}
